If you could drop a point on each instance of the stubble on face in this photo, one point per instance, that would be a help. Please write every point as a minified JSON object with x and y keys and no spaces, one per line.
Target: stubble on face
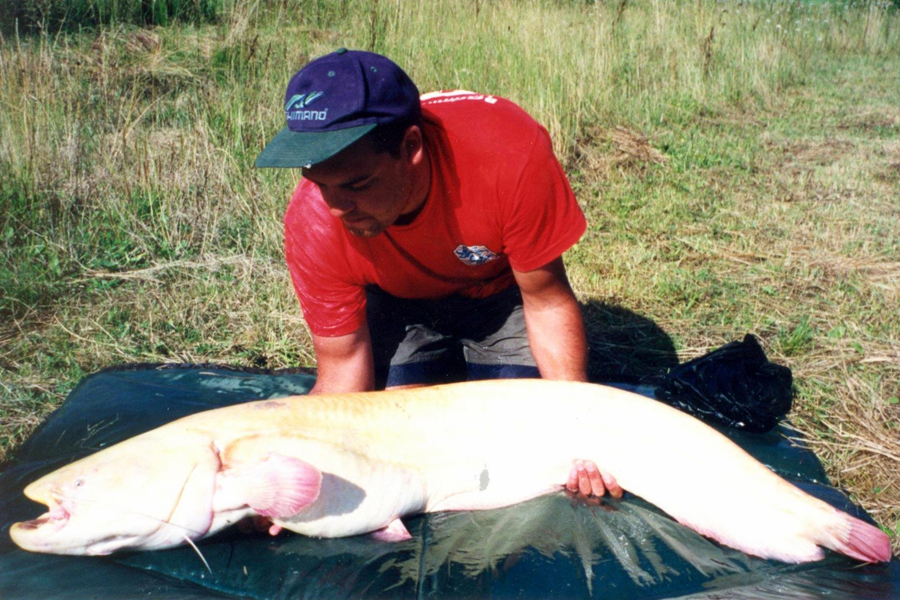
{"x":365,"y":232}
{"x":391,"y":185}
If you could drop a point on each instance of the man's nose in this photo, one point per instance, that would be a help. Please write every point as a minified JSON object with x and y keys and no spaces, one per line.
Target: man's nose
{"x":339,"y":206}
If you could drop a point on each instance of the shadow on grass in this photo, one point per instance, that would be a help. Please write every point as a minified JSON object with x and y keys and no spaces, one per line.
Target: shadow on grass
{"x":625,"y":347}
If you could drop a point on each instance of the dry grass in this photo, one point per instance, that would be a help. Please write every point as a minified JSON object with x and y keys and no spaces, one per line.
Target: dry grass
{"x":608,"y":149}
{"x":862,"y":434}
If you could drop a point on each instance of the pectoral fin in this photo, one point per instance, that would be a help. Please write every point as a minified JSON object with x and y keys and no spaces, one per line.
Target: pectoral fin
{"x":276,"y":486}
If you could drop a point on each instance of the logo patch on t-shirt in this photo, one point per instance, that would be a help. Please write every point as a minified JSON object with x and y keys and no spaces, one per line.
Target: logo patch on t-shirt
{"x":475,"y":255}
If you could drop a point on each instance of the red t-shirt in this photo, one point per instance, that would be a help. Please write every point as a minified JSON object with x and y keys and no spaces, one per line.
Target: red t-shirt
{"x":498,"y":199}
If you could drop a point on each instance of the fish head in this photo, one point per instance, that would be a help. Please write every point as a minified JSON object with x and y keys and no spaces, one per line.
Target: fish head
{"x":136,"y":495}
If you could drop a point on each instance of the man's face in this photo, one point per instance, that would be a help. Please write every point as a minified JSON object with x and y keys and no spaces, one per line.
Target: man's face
{"x":366,"y":190}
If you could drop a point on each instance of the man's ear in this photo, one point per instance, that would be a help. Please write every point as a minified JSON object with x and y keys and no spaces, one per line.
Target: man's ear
{"x":414,"y":145}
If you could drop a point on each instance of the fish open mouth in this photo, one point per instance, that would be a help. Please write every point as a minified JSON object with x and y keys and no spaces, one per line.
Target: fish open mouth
{"x":37,"y":535}
{"x":57,"y":516}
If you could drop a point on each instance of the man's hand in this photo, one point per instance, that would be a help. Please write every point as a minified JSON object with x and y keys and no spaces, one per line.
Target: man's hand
{"x":586,"y":481}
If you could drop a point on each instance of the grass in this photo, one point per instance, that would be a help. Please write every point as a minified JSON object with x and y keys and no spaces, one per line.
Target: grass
{"x":738,"y":162}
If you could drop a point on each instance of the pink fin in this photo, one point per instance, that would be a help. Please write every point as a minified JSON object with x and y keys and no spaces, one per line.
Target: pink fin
{"x":280,"y":486}
{"x":394,"y":532}
{"x":864,"y":542}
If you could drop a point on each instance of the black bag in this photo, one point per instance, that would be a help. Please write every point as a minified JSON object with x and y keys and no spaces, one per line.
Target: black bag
{"x":735,"y":386}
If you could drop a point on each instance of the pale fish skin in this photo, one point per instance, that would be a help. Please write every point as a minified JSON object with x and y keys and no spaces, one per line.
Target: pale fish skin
{"x":348,"y":464}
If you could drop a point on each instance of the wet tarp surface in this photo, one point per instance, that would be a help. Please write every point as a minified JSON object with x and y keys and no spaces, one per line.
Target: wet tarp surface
{"x":546,"y":548}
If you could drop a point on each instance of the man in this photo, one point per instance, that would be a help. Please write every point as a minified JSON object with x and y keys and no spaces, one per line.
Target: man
{"x":425,"y":238}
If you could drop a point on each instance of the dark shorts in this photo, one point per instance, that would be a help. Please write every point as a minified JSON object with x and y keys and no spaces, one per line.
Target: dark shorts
{"x":449,"y":339}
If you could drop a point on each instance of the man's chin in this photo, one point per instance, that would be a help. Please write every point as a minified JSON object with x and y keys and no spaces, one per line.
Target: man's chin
{"x":365,"y":232}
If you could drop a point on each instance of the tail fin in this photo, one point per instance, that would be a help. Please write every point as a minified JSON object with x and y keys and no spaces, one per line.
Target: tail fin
{"x":859,"y":540}
{"x":795,"y":536}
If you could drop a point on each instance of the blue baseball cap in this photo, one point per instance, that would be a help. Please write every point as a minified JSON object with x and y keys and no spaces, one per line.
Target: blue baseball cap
{"x":334,"y":101}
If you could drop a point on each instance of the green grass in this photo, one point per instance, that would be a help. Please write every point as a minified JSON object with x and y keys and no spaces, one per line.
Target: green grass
{"x":739,"y":165}
{"x":73,"y":15}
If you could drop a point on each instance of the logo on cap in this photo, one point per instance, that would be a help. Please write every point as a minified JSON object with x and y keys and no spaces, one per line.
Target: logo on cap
{"x":294,"y":108}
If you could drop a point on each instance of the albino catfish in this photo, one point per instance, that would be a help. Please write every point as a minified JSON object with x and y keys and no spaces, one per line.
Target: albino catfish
{"x":348,"y":464}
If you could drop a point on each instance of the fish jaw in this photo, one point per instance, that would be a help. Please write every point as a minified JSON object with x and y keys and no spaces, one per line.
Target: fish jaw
{"x":49,"y":531}
{"x":59,"y":531}
{"x":130,"y":496}
{"x":35,"y":535}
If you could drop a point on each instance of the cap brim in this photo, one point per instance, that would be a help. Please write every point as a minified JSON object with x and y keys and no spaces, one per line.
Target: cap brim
{"x":292,"y":149}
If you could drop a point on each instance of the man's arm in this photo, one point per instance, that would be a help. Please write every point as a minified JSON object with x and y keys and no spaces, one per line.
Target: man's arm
{"x":344,"y":363}
{"x":559,"y":345}
{"x":554,"y":322}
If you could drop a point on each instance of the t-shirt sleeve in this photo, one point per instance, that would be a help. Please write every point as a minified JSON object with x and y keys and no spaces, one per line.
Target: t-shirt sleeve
{"x":333,"y":305}
{"x":543,"y":218}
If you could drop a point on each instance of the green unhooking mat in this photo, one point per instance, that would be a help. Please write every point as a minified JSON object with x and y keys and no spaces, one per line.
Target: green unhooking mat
{"x":546,"y":548}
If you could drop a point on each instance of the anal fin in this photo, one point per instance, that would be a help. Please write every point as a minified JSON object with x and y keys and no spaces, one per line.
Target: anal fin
{"x":395,"y":531}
